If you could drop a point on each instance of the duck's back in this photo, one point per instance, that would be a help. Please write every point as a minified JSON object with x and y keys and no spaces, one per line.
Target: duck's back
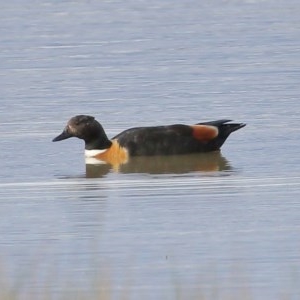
{"x":159,"y":140}
{"x":176,"y":139}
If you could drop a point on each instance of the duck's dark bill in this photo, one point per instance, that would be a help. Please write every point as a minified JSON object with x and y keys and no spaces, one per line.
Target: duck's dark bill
{"x":64,"y":135}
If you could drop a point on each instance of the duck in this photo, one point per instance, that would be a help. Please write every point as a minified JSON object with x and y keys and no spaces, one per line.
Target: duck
{"x":165,"y":140}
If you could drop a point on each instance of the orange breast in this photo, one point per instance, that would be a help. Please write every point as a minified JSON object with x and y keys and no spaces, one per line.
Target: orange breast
{"x":115,"y":155}
{"x":205,"y":133}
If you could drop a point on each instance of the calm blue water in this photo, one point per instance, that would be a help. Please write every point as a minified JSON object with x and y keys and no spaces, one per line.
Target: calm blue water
{"x":158,"y":228}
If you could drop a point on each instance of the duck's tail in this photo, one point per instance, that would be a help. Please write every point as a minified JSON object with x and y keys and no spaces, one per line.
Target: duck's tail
{"x":225,"y":129}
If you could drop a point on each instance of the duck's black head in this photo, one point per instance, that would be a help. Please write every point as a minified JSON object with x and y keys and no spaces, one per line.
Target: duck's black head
{"x":87,"y":129}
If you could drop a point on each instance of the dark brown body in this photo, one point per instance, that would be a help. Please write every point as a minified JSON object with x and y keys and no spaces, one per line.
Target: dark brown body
{"x":175,"y":139}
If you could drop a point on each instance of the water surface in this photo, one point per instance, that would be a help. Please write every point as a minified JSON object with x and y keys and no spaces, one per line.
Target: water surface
{"x":157,"y":228}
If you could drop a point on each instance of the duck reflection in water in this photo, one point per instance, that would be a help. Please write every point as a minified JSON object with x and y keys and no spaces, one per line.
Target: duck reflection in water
{"x":174,"y":164}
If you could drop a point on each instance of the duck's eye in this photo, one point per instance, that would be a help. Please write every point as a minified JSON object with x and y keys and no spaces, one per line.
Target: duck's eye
{"x":70,"y":129}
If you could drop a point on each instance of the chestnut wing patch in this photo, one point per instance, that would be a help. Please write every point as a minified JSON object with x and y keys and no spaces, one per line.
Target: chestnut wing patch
{"x":204,"y":133}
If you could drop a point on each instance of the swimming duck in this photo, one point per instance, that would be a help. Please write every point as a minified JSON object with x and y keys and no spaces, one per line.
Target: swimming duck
{"x":147,"y":141}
